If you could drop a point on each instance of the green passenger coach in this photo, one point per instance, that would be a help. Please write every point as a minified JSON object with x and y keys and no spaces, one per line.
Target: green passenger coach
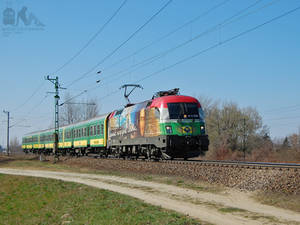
{"x":80,"y":138}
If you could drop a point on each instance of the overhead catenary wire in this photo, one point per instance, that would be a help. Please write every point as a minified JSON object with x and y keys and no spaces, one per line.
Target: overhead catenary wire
{"x":158,"y":56}
{"x":92,"y":38}
{"x":34,"y":107}
{"x":169,"y":33}
{"x":222,"y":43}
{"x":68,"y":100}
{"x":216,"y":27}
{"x":30,"y":97}
{"x":283,"y":109}
{"x":121,"y":45}
{"x":217,"y":45}
{"x":284,"y":118}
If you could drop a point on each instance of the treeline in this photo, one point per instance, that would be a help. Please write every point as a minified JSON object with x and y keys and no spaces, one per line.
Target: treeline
{"x":237,"y":133}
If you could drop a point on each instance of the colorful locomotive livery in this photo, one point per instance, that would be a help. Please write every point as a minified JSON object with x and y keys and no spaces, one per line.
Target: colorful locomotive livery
{"x":167,"y":126}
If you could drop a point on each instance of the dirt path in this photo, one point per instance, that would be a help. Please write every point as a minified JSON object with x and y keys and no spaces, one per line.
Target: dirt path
{"x":230,"y":207}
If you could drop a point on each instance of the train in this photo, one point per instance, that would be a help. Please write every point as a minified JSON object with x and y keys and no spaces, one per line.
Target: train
{"x":168,"y":126}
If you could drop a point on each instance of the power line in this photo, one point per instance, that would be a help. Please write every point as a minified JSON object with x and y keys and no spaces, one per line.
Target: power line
{"x":158,"y":56}
{"x":285,"y":108}
{"x":121,"y":45}
{"x":219,"y":44}
{"x":222,"y":42}
{"x":214,"y":28}
{"x":74,"y":56}
{"x":68,"y":100}
{"x":284,"y":118}
{"x":164,"y":53}
{"x":30,"y":97}
{"x":224,"y":23}
{"x":34,"y":107}
{"x":92,"y":38}
{"x":168,"y":34}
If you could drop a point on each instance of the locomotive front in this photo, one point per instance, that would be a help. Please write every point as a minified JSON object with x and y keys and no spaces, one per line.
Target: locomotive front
{"x":182,"y":123}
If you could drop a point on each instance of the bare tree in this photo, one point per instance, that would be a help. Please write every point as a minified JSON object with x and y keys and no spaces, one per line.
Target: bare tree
{"x":72,"y":112}
{"x":232,"y":128}
{"x":91,"y":109}
{"x":15,"y":146}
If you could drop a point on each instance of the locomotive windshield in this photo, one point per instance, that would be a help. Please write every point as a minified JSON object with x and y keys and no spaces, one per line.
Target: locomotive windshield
{"x":183,"y":110}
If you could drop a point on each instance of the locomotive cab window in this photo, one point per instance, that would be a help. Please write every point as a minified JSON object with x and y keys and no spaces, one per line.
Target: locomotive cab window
{"x":183,"y":110}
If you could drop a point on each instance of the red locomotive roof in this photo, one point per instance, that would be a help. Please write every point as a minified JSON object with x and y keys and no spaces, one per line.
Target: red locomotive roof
{"x":157,"y":102}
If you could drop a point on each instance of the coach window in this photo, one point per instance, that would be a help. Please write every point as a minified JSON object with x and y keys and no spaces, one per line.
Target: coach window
{"x":95,"y":130}
{"x":98,"y":129}
{"x":102,"y":129}
{"x":91,"y":131}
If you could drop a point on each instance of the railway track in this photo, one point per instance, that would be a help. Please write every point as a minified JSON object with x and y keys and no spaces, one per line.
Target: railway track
{"x":220,"y":163}
{"x":245,"y":164}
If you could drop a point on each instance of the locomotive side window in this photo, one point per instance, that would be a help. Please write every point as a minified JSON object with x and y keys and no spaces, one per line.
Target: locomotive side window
{"x":183,"y":110}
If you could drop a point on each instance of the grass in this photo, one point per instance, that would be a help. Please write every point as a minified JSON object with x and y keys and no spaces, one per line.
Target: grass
{"x":231,"y":210}
{"x":171,"y":180}
{"x":28,"y":200}
{"x":285,"y":201}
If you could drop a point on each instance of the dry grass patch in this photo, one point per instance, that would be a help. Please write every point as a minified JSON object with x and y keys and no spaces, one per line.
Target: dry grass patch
{"x":285,"y":201}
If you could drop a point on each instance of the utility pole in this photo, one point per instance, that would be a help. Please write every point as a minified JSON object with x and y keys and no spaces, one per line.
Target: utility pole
{"x":56,"y":120}
{"x":7,"y":148}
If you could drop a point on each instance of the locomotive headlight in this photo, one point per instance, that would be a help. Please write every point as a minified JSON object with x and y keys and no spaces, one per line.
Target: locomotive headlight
{"x":169,"y":129}
{"x":202,"y":128}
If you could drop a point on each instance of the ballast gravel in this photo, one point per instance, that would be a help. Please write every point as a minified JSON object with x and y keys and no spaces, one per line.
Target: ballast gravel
{"x":250,"y":179}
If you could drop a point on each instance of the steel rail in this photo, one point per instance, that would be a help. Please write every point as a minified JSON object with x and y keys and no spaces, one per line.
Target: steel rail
{"x":221,"y":163}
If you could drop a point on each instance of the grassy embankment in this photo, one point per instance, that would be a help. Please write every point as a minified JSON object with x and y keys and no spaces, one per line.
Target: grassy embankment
{"x":291,"y":202}
{"x":27,"y":200}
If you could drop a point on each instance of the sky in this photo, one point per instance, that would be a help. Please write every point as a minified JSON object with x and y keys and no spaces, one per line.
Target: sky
{"x":212,"y":48}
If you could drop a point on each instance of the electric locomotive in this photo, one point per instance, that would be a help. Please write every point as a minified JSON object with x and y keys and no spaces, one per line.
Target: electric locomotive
{"x":167,"y":126}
